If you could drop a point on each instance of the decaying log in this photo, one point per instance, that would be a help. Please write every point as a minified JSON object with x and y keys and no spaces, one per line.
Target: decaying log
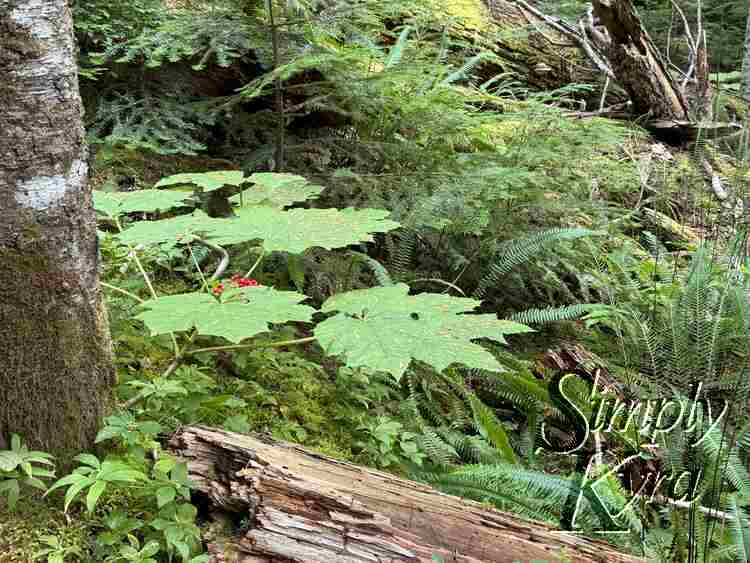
{"x":575,"y":358}
{"x":637,"y":63}
{"x":670,"y":229}
{"x":298,"y":506}
{"x":545,"y":53}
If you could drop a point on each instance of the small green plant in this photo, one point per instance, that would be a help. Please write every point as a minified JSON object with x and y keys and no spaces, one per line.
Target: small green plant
{"x":21,"y":467}
{"x":389,"y":444}
{"x":120,"y":527}
{"x":56,"y":551}
{"x":96,"y":476}
{"x":132,"y":552}
{"x":137,"y":436}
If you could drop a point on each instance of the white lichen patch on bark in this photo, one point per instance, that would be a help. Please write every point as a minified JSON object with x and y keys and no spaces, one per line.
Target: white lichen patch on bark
{"x":44,"y":192}
{"x":41,"y":19}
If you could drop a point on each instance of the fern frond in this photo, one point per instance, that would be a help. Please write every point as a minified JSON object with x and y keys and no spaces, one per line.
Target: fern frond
{"x":739,"y":528}
{"x":381,"y":273}
{"x":551,"y":314}
{"x":522,"y":250}
{"x":397,"y":51}
{"x":491,"y":428}
{"x":401,"y":247}
{"x":466,"y":68}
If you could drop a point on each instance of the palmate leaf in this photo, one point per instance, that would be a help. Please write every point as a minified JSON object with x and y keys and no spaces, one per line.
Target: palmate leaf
{"x":291,"y":231}
{"x":296,"y":230}
{"x":245,"y":313}
{"x":276,"y":190}
{"x":115,"y":204}
{"x":209,"y":181}
{"x":169,"y":230}
{"x":384,"y":329}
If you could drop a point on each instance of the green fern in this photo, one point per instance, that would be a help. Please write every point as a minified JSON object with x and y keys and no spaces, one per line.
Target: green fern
{"x":397,"y":51}
{"x":519,"y":251}
{"x":552,"y":314}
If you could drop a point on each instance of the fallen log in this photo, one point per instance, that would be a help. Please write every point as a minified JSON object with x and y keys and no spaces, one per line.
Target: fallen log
{"x":298,"y":506}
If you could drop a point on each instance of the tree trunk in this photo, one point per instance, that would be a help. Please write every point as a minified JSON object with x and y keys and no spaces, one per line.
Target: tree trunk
{"x":55,"y":350}
{"x":637,"y":64}
{"x":282,"y":504}
{"x":746,"y":64}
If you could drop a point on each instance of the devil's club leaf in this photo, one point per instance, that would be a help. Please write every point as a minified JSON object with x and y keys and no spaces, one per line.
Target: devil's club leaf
{"x":169,"y":230}
{"x":298,"y":229}
{"x":276,"y":190}
{"x":209,"y":181}
{"x":114,"y":204}
{"x":292,"y":231}
{"x":245,"y":313}
{"x":384,"y":329}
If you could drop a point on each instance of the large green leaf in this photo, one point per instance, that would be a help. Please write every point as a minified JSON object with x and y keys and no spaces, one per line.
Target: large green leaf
{"x":169,"y":230}
{"x":384,"y":329}
{"x":299,"y":229}
{"x":209,"y":181}
{"x":292,"y":231}
{"x":243,"y":314}
{"x":113,"y":204}
{"x":276,"y":190}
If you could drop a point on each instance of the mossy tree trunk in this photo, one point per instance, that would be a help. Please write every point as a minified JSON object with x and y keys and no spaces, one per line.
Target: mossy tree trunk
{"x":56,"y":369}
{"x":746,"y":64}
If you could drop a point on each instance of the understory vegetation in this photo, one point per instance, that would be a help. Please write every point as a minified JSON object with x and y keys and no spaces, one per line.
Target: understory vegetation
{"x":354,"y":229}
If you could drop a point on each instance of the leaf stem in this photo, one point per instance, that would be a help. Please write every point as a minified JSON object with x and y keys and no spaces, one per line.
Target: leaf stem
{"x":256,"y":345}
{"x":442,"y":282}
{"x":184,"y":352}
{"x":123,"y":291}
{"x":197,"y":266}
{"x":151,"y":289}
{"x":250,"y":272}
{"x":221,"y":268}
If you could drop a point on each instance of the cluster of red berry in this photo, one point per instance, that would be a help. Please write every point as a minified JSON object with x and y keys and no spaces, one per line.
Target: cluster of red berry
{"x":237,"y":281}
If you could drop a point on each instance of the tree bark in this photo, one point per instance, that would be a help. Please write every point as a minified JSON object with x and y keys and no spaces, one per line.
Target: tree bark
{"x":297,"y":506}
{"x":57,"y":370}
{"x":637,"y":64}
{"x":746,"y":64}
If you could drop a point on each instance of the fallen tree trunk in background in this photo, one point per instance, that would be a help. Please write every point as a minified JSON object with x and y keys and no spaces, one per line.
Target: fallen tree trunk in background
{"x":636,"y":62}
{"x":298,"y":506}
{"x":609,"y":49}
{"x":544,"y":52}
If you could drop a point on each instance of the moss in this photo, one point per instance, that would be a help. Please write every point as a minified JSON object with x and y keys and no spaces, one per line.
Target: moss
{"x":54,"y":360}
{"x":471,"y":13}
{"x":21,"y":530}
